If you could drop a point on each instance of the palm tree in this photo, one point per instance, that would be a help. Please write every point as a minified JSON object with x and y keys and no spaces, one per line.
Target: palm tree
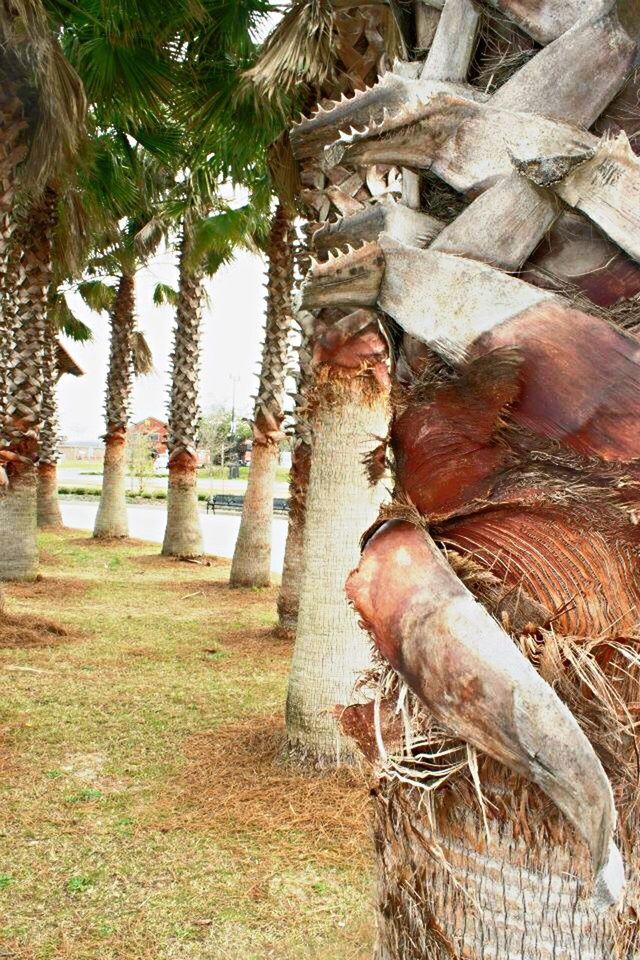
{"x":39,"y":136}
{"x":206,"y":243}
{"x":251,"y":565}
{"x":317,"y":51}
{"x":183,"y":537}
{"x":128,"y":357}
{"x":225,"y":141}
{"x":501,"y":585}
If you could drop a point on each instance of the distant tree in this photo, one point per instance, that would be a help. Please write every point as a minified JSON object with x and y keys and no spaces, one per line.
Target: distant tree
{"x":216,"y":433}
{"x":140,"y":456}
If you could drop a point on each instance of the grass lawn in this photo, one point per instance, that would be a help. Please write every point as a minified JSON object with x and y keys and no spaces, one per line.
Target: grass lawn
{"x":147,"y":810}
{"x":93,"y":468}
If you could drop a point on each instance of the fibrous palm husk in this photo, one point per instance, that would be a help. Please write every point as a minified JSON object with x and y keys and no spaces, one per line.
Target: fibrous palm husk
{"x":33,"y":58}
{"x":141,"y":354}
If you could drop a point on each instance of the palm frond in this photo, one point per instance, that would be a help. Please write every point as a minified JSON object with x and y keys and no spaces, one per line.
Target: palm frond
{"x":165,"y":294}
{"x":216,"y":236}
{"x":97,"y":295}
{"x":141,"y":354}
{"x":62,"y":318}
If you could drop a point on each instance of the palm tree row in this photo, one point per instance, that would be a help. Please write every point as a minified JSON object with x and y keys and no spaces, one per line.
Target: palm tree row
{"x":127,"y":179}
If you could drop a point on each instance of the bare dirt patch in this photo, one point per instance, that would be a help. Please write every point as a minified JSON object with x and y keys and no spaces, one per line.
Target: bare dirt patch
{"x":18,"y":630}
{"x":238,"y":778}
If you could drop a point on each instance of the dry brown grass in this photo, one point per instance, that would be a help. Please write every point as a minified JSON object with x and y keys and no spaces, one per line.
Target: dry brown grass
{"x":106,"y":542}
{"x":18,"y":630}
{"x":148,"y":810}
{"x":238,"y":778}
{"x":50,"y":588}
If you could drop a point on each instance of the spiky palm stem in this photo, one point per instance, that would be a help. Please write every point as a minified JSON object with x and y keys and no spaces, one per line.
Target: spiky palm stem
{"x":183,"y":536}
{"x":289,"y":593}
{"x":341,"y":503}
{"x":12,"y":124}
{"x":31,"y":268}
{"x":251,"y":565}
{"x":111,"y":519}
{"x":49,"y":514}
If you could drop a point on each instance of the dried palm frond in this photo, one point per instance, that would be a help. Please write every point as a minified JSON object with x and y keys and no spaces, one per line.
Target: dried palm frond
{"x":141,"y":356}
{"x":299,"y":51}
{"x":34,"y":58}
{"x":284,"y":171}
{"x":149,"y":237}
{"x":66,"y":363}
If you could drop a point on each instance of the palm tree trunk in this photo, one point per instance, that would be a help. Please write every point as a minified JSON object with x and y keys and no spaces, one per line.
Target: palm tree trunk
{"x":18,"y":501}
{"x":348,"y":413}
{"x":183,"y":535}
{"x":289,"y":593}
{"x":251,"y":566}
{"x":331,"y":650}
{"x":508,"y":645}
{"x":49,"y":514}
{"x":111,"y":519}
{"x":10,"y":155}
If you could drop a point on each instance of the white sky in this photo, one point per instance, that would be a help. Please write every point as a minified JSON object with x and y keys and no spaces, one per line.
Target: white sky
{"x":232,"y":323}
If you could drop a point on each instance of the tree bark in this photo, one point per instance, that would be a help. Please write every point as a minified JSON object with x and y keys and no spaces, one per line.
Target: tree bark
{"x":251,"y":566}
{"x":30,"y":277}
{"x":289,"y":593}
{"x":506,"y":898}
{"x":347,"y":412}
{"x":183,"y":535}
{"x":18,"y":545}
{"x":508,"y":651}
{"x":111,"y":518}
{"x":49,"y":514}
{"x":11,"y":152}
{"x":331,"y":650}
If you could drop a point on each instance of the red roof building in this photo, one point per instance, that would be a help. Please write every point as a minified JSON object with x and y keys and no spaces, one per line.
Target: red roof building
{"x":155,"y":431}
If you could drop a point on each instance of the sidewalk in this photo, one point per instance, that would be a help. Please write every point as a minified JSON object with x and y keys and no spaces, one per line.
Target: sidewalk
{"x":147,"y":522}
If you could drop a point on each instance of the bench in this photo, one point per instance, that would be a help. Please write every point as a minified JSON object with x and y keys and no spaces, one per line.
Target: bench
{"x":224,"y":501}
{"x":228,"y":501}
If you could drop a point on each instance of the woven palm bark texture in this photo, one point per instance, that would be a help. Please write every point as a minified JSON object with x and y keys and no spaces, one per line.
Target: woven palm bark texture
{"x":500,"y":586}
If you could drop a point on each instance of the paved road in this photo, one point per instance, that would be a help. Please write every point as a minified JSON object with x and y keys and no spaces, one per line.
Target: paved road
{"x":91,"y":477}
{"x":147,"y":522}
